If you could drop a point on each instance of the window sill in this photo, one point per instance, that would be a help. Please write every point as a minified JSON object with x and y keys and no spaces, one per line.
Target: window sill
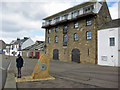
{"x":76,"y":27}
{"x":75,"y":40}
{"x":89,"y":25}
{"x":88,"y":39}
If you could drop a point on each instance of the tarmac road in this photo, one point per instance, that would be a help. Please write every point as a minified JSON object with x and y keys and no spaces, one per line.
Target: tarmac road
{"x":72,"y":75}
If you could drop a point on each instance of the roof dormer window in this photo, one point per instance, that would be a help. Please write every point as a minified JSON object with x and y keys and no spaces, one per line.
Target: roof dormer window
{"x":64,"y":17}
{"x":50,"y":21}
{"x":88,"y":9}
{"x":75,"y":13}
{"x":57,"y":19}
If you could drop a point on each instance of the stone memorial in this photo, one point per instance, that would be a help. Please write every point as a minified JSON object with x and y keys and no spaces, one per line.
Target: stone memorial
{"x":40,"y":72}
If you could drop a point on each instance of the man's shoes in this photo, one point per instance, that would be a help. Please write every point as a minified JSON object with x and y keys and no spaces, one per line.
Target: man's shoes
{"x":18,"y":76}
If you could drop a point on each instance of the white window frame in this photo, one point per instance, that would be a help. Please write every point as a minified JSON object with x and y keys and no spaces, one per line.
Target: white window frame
{"x":75,"y":37}
{"x":48,"y":39}
{"x":56,"y":29}
{"x":65,"y":38}
{"x":56,"y":39}
{"x":88,"y":35}
{"x":112,"y":43}
{"x":49,"y":31}
{"x":65,"y":27}
{"x":76,"y":25}
{"x":88,"y":22}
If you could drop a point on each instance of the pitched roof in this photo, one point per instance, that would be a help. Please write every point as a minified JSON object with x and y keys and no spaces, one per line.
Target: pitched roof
{"x":71,"y":9}
{"x":112,"y":24}
{"x":21,"y":41}
{"x":39,"y":42}
{"x":36,"y":46}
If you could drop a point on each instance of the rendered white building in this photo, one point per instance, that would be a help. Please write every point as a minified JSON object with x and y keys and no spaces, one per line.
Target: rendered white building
{"x":16,"y":46}
{"x":109,"y":47}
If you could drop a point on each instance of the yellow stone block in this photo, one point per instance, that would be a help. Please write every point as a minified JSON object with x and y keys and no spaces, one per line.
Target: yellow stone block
{"x":40,"y":72}
{"x":30,"y":79}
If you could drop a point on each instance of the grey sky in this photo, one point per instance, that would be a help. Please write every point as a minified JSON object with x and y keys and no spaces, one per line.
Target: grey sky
{"x":19,"y":18}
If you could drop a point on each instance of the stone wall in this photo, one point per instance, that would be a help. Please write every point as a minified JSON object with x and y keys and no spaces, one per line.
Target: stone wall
{"x":2,"y":44}
{"x":65,"y":52}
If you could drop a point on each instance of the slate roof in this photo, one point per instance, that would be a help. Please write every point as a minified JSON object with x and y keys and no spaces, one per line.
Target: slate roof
{"x":21,"y":41}
{"x":40,"y":42}
{"x":112,"y":24}
{"x":36,"y":46}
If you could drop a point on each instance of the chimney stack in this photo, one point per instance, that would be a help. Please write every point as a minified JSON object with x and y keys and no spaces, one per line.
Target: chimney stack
{"x":18,"y":39}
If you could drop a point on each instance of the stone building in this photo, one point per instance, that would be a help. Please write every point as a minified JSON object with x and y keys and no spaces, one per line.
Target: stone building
{"x":16,"y":46}
{"x":2,"y":46}
{"x":71,"y":35}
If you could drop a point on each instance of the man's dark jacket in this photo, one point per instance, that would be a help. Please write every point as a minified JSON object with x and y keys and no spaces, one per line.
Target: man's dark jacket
{"x":19,"y":62}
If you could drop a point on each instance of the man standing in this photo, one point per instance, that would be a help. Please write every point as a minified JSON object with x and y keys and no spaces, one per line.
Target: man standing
{"x":19,"y":64}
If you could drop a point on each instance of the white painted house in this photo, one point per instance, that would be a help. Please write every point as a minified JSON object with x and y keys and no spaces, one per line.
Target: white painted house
{"x":109,"y":47}
{"x":16,"y":46}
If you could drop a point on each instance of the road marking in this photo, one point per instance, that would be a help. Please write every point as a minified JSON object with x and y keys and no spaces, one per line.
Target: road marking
{"x":9,"y":65}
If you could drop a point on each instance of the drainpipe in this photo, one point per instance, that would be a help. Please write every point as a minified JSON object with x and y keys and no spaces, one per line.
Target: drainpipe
{"x":96,"y":46}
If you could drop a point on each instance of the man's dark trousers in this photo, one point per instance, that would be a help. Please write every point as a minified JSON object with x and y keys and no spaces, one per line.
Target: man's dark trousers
{"x":19,"y":71}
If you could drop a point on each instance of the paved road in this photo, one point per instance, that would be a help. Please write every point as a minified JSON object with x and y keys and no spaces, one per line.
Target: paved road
{"x":5,"y":62}
{"x":73,"y":75}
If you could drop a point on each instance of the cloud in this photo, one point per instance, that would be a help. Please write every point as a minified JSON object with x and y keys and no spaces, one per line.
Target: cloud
{"x":27,"y":15}
{"x":9,"y":36}
{"x":15,"y":18}
{"x":39,"y":38}
{"x":15,"y":22}
{"x":114,"y":11}
{"x":54,"y":7}
{"x":19,"y":18}
{"x":113,"y":1}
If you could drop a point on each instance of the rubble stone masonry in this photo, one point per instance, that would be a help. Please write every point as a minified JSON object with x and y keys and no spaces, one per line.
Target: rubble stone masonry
{"x":87,"y":48}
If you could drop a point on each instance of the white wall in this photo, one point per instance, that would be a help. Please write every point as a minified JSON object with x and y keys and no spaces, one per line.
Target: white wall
{"x":104,"y":48}
{"x":119,"y":46}
{"x":97,"y":7}
{"x":15,"y":49}
{"x":27,"y":43}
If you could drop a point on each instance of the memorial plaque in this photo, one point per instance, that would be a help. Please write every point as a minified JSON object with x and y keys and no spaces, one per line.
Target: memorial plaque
{"x":43,"y":67}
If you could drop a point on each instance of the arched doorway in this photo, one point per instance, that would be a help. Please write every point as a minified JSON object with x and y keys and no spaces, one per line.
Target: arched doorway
{"x":76,"y":55}
{"x":55,"y":54}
